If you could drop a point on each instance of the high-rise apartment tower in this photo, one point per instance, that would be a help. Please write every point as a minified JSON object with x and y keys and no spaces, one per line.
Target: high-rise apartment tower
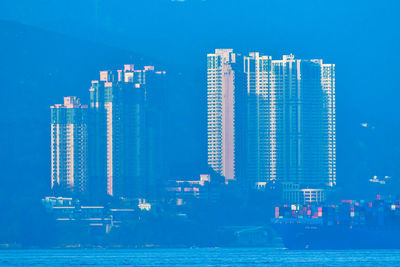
{"x":225,"y":111}
{"x":291,"y":120}
{"x":273,"y":118}
{"x":126,"y":131}
{"x":69,"y":147}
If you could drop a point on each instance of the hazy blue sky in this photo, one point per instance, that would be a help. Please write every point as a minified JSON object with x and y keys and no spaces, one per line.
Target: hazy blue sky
{"x":361,"y":37}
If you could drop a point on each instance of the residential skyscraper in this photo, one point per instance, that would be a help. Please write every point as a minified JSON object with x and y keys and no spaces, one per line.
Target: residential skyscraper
{"x":69,"y":147}
{"x":97,"y":143}
{"x":264,"y":121}
{"x":225,"y":95}
{"x":274,"y":120}
{"x":291,"y":121}
{"x":127,"y":114}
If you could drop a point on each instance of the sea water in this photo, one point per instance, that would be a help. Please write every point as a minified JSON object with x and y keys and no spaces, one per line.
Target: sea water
{"x":199,"y":257}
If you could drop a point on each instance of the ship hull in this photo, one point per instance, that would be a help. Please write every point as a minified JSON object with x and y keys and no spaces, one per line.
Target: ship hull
{"x":299,"y":236}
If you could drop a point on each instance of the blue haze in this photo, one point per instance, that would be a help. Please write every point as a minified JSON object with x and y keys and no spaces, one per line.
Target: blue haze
{"x":50,"y":49}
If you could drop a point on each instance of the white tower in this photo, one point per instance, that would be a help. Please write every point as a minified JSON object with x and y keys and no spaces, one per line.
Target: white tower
{"x":69,"y":146}
{"x":221,"y":112}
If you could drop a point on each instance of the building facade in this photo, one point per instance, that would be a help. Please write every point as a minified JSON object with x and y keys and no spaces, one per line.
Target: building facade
{"x":69,"y":147}
{"x":271,"y":120}
{"x":127,"y":114}
{"x":291,"y":120}
{"x":225,"y":113}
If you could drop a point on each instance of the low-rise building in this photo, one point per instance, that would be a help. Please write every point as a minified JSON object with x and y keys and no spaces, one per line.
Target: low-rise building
{"x":185,"y":190}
